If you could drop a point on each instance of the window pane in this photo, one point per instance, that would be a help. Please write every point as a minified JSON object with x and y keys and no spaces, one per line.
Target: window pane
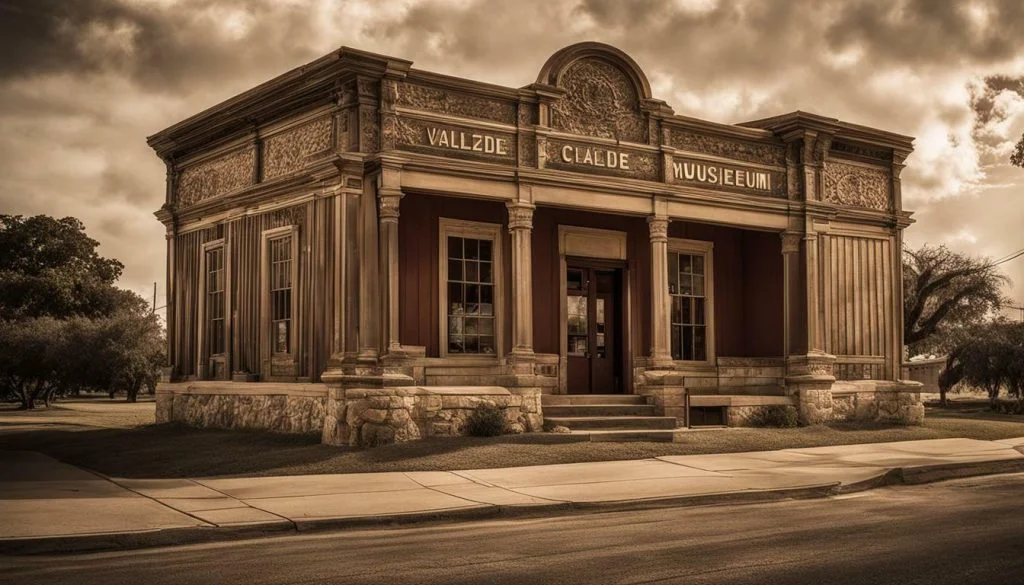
{"x":487,"y":344}
{"x":698,"y":285}
{"x":472,"y":344}
{"x":472,"y":295}
{"x":455,"y":326}
{"x":486,"y":326}
{"x":485,"y":272}
{"x":698,"y":264}
{"x":698,"y":312}
{"x":472,"y":248}
{"x":673,"y":273}
{"x":685,"y":284}
{"x":684,"y":263}
{"x":688,"y":343}
{"x":677,"y":310}
{"x":471,"y":326}
{"x":454,"y":270}
{"x":472,"y":271}
{"x":455,"y":344}
{"x":677,"y":335}
{"x":486,"y":299}
{"x":485,"y":250}
{"x":699,"y":344}
{"x":454,"y":247}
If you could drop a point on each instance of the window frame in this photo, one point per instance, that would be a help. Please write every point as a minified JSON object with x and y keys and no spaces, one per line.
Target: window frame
{"x":482,"y":231}
{"x":206,"y":356}
{"x":705,"y":249}
{"x":267,"y":335}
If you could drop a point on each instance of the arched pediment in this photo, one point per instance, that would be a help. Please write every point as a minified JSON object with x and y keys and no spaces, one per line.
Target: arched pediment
{"x":604,"y":90}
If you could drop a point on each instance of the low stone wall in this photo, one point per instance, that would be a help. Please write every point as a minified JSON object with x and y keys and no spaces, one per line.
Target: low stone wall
{"x":281,"y":408}
{"x":366,"y":417}
{"x":882,"y":401}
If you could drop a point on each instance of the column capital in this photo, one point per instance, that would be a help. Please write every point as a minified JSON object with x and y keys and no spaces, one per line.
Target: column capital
{"x":658,"y":228}
{"x":520,"y":215}
{"x":389,"y":200}
{"x":791,"y":242}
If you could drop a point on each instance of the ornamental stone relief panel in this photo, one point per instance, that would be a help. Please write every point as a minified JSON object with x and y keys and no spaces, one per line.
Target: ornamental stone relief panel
{"x":767,"y":154}
{"x":601,"y":101}
{"x":286,"y":152}
{"x":216,"y":177}
{"x":849,"y":184}
{"x":433,"y":99}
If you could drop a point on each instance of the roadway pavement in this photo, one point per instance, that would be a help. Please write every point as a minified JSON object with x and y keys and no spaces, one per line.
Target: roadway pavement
{"x":957,"y":532}
{"x":47,"y":505}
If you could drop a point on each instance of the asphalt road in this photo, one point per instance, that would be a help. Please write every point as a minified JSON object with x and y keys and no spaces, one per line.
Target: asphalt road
{"x":964,"y":531}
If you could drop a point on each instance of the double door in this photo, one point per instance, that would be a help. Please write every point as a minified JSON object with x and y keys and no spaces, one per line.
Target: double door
{"x":593,"y":297}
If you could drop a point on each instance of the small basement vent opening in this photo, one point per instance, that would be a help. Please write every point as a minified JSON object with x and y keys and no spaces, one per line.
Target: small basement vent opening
{"x":707,"y":416}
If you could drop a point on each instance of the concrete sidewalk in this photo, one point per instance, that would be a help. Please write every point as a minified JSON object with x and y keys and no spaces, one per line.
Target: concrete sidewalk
{"x":46,"y":505}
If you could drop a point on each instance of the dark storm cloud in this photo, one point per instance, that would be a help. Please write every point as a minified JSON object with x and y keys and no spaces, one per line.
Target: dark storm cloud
{"x":160,"y":49}
{"x":930,"y":31}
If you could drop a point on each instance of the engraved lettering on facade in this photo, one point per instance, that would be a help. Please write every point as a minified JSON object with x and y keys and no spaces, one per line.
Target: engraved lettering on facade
{"x":595,"y":157}
{"x":849,"y":184}
{"x":460,"y":140}
{"x":286,"y":152}
{"x":720,"y":175}
{"x":216,"y":177}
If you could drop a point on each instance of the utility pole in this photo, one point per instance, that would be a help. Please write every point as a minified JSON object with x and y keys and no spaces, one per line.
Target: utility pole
{"x":152,"y":309}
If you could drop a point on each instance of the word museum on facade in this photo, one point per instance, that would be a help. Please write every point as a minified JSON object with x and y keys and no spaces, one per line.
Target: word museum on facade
{"x":366,"y":250}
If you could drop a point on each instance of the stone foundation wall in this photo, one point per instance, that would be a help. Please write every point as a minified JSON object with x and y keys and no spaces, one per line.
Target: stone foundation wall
{"x":882,"y":401}
{"x":366,"y":417}
{"x":281,"y":408}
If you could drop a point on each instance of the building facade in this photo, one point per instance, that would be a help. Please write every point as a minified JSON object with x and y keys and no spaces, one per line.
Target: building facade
{"x":369,"y":250}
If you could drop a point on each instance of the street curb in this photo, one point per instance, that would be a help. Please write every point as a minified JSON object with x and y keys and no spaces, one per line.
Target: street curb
{"x":912,"y":475}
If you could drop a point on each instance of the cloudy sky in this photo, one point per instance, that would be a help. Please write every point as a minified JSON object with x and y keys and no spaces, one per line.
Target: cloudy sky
{"x":83,"y":82}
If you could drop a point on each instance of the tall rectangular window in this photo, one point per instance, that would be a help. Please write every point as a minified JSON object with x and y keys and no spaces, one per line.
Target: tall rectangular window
{"x":689,"y":290}
{"x":470,"y":274}
{"x":280,"y":258}
{"x":214,"y":263}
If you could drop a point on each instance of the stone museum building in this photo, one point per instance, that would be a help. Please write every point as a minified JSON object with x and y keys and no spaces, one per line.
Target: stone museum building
{"x":366,"y":250}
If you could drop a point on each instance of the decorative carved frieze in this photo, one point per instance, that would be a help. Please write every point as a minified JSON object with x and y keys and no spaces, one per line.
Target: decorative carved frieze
{"x":455,"y":141}
{"x":600,"y":101}
{"x":791,"y":242}
{"x":861,"y":150}
{"x":756,"y":152}
{"x":527,"y":152}
{"x":287,"y":152}
{"x":657,"y":228}
{"x":856,"y":185}
{"x":520,"y":215}
{"x":368,"y":131}
{"x":389,"y":202}
{"x":594,"y":159}
{"x":433,"y":99}
{"x":527,"y":114}
{"x":216,"y":177}
{"x":294,"y":215}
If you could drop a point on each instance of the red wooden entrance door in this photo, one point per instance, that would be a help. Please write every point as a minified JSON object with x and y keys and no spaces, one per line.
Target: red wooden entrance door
{"x":593,"y":298}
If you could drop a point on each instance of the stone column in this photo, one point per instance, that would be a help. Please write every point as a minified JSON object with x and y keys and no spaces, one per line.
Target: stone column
{"x":660,"y":302}
{"x":520,"y":227}
{"x":389,"y":200}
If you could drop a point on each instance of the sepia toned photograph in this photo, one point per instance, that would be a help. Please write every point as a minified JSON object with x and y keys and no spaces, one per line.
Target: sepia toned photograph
{"x":494,"y":292}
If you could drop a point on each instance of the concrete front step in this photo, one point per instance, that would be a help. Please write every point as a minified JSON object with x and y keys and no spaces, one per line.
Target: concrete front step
{"x":766,"y":390}
{"x":583,"y":423}
{"x":581,"y":399}
{"x":627,"y":435}
{"x":600,"y":410}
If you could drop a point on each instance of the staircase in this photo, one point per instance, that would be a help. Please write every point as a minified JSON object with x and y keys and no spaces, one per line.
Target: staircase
{"x":607,"y":417}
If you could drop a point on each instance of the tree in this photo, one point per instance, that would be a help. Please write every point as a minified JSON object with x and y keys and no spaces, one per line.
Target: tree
{"x":50,"y":267}
{"x":30,"y":359}
{"x":945,"y":293}
{"x":1017,"y":156}
{"x":991,"y":358}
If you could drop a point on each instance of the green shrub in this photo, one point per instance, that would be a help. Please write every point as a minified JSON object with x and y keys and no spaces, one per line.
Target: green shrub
{"x":486,"y":420}
{"x":773,"y":416}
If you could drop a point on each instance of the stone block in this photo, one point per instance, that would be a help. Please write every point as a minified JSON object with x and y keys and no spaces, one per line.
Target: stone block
{"x":374,"y":415}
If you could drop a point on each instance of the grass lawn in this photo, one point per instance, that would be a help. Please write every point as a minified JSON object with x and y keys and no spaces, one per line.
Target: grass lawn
{"x":166,"y":451}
